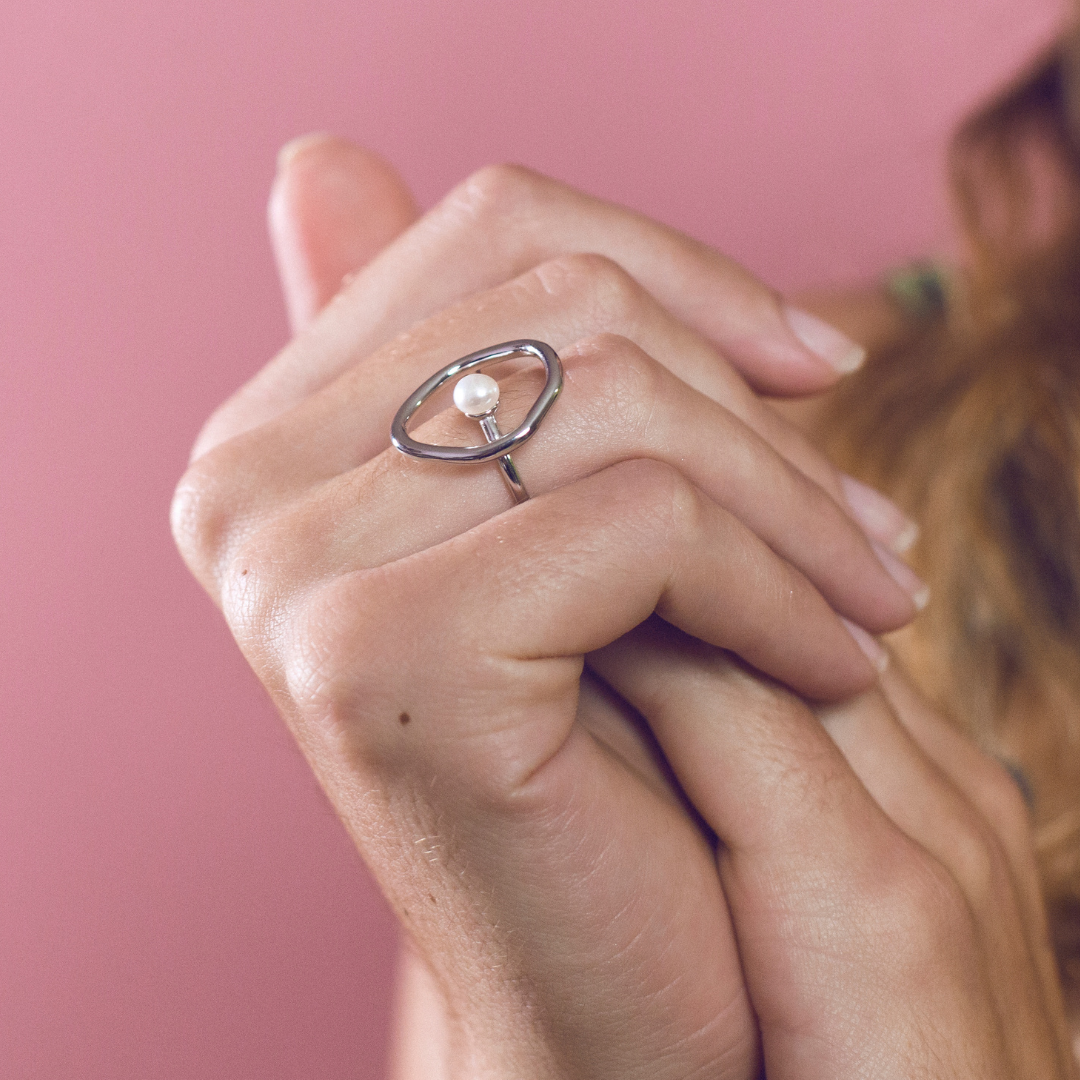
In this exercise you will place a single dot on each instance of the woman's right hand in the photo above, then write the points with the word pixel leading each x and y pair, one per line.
pixel 427 649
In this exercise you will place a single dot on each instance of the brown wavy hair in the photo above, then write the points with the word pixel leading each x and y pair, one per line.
pixel 972 422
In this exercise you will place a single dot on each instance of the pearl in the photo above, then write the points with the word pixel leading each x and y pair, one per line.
pixel 476 395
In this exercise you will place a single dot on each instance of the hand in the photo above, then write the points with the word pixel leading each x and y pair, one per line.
pixel 881 882
pixel 282 521
pixel 283 598
pixel 962 809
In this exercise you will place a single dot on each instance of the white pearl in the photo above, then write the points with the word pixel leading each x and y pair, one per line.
pixel 476 395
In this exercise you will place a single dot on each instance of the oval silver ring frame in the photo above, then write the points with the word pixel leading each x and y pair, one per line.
pixel 501 446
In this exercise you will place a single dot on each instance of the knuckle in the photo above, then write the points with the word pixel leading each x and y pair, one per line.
pixel 619 378
pixel 333 644
pixel 924 911
pixel 612 296
pixel 201 515
pixel 686 511
pixel 1006 807
pixel 310 659
pixel 252 584
pixel 218 502
pixel 496 191
pixel 662 499
pixel 355 680
pixel 980 866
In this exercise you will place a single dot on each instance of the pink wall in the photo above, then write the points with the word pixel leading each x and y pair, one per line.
pixel 176 898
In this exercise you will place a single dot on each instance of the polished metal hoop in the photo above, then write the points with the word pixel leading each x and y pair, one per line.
pixel 498 446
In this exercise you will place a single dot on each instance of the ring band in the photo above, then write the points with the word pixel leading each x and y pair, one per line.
pixel 480 396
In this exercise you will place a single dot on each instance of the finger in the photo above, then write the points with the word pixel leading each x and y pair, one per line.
pixel 617 404
pixel 988 787
pixel 851 933
pixel 569 571
pixel 421 1040
pixel 921 797
pixel 482 728
pixel 501 223
pixel 333 207
pixel 501 866
pixel 561 303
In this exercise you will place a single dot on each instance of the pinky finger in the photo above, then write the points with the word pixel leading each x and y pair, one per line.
pixel 559 576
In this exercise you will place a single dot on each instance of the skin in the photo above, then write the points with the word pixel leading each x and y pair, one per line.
pixel 617 849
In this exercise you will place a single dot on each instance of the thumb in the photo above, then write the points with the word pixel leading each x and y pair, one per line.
pixel 333 207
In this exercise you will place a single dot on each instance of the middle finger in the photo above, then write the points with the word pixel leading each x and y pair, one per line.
pixel 560 302
pixel 618 404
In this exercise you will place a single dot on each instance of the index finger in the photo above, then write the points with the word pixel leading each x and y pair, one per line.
pixel 505 220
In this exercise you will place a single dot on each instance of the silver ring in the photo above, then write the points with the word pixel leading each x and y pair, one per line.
pixel 482 406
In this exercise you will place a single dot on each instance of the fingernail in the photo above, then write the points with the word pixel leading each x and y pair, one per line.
pixel 904 576
pixel 880 517
pixel 871 649
pixel 836 349
pixel 292 149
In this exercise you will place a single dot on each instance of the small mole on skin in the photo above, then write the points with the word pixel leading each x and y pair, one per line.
pixel 242 573
pixel 432 899
pixel 404 718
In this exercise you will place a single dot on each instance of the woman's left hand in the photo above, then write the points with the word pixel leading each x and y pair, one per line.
pixel 879 869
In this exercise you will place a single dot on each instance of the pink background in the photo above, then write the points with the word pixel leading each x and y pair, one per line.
pixel 176 897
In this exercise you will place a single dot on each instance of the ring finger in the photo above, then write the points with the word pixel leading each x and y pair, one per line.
pixel 618 404
pixel 347 423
